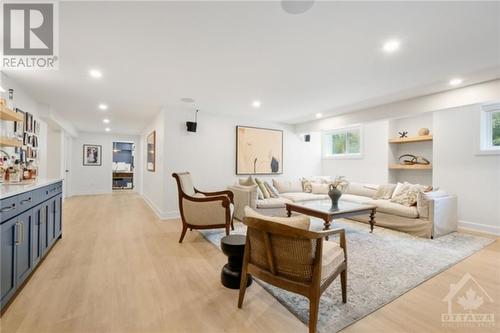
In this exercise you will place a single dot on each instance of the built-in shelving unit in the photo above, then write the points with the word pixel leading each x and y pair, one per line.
pixel 414 144
pixel 420 138
pixel 8 142
pixel 410 167
pixel 10 115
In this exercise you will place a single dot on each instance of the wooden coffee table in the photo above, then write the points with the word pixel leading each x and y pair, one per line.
pixel 322 209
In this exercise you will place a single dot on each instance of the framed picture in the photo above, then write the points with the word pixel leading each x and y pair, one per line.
pixel 92 155
pixel 259 151
pixel 151 147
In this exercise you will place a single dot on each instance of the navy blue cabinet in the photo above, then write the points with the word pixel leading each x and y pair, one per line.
pixel 31 222
pixel 8 234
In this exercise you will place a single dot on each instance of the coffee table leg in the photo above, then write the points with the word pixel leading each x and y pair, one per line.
pixel 372 220
pixel 327 226
pixel 288 212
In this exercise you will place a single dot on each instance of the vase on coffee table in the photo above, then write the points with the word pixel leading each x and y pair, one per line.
pixel 334 193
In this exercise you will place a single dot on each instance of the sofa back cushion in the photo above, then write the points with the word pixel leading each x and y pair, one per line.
pixel 385 191
pixel 286 186
pixel 320 188
pixel 365 190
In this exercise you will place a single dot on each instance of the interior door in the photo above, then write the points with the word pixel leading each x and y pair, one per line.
pixel 68 142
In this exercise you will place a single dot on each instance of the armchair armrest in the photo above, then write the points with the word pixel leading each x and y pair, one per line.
pixel 217 193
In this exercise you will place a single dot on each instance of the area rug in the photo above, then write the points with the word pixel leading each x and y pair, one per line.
pixel 381 267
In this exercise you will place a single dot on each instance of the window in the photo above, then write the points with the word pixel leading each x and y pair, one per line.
pixel 490 128
pixel 342 143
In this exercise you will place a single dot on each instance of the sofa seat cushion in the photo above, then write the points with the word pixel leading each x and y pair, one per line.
pixel 303 196
pixel 388 207
pixel 333 257
pixel 272 203
pixel 357 199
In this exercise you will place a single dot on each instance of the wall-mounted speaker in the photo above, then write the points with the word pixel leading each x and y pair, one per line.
pixel 307 138
pixel 191 126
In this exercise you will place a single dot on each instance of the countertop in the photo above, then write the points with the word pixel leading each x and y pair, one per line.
pixel 8 190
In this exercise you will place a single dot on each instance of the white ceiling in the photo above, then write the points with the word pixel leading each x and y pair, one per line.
pixel 227 54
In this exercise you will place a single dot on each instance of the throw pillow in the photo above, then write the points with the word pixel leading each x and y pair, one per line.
pixel 406 194
pixel 263 188
pixel 306 185
pixel 320 188
pixel 272 191
pixel 385 191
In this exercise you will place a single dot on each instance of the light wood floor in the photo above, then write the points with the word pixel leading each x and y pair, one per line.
pixel 119 269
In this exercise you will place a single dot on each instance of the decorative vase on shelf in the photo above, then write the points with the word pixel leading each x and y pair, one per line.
pixel 334 193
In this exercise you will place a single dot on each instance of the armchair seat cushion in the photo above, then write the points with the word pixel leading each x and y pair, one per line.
pixel 333 257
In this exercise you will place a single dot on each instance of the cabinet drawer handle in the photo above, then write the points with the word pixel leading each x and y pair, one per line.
pixel 6 209
pixel 18 241
pixel 22 233
pixel 25 200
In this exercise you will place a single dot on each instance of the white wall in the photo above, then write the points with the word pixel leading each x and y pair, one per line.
pixel 153 184
pixel 25 102
pixel 54 153
pixel 372 166
pixel 98 179
pixel 458 169
pixel 210 155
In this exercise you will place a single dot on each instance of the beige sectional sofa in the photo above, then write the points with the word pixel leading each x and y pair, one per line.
pixel 434 214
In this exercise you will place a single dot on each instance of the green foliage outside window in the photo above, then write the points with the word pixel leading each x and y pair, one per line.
pixel 346 142
pixel 495 120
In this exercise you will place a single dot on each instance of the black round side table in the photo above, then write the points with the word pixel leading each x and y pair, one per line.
pixel 233 246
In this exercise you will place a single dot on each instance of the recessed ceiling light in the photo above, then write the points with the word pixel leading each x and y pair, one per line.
pixel 256 104
pixel 319 115
pixel 455 81
pixel 187 100
pixel 107 129
pixel 106 121
pixel 102 106
pixel 95 73
pixel 391 46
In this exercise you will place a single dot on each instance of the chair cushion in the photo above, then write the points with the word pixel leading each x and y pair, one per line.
pixel 285 186
pixel 333 257
pixel 297 221
pixel 186 183
pixel 388 207
pixel 272 203
pixel 302 196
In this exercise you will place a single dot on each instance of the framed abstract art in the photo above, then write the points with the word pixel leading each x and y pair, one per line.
pixel 259 151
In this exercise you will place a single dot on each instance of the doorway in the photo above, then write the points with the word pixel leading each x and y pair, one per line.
pixel 123 165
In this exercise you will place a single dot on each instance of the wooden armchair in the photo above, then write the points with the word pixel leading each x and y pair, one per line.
pixel 294 259
pixel 203 210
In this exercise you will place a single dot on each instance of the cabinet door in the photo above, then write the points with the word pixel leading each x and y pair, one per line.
pixel 51 219
pixel 39 216
pixel 43 228
pixel 8 235
pixel 58 216
pixel 24 260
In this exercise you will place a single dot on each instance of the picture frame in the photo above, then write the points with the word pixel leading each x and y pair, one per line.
pixel 92 155
pixel 151 152
pixel 259 151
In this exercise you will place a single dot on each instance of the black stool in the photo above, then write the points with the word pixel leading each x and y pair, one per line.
pixel 233 246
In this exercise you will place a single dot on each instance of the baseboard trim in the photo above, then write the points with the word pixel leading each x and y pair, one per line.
pixel 483 228
pixel 162 215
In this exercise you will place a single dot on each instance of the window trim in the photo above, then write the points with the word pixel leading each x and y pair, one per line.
pixel 325 147
pixel 486 139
